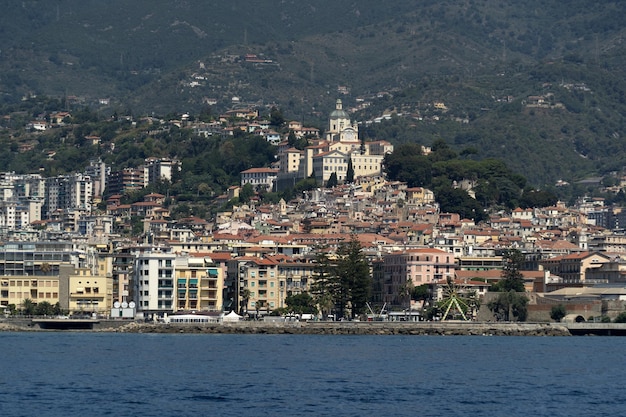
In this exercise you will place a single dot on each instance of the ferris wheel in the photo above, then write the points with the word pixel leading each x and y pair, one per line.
pixel 455 300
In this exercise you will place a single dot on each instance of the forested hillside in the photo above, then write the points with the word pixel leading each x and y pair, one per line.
pixel 486 62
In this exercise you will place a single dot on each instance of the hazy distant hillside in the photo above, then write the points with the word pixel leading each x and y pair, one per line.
pixel 95 48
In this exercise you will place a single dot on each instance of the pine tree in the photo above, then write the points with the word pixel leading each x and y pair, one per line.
pixel 354 277
pixel 332 181
pixel 512 278
pixel 325 285
pixel 350 172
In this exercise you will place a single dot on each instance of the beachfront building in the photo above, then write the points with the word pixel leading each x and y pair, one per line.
pixel 153 279
pixel 199 284
pixel 405 269
pixel 83 292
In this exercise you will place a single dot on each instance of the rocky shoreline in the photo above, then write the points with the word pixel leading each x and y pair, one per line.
pixel 434 329
pixel 325 328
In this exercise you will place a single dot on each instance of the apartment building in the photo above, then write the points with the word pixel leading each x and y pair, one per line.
pixel 83 291
pixel 153 279
pixel 17 288
pixel 253 285
pixel 410 268
pixel 67 193
pixel 259 178
pixel 575 267
pixel 199 284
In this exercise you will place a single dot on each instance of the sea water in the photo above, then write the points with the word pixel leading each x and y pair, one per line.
pixel 100 374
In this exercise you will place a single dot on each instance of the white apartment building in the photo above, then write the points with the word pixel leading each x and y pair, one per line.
pixel 154 282
pixel 68 192
pixel 98 172
pixel 259 178
pixel 158 169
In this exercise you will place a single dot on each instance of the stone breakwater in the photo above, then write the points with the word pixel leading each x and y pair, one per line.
pixel 354 328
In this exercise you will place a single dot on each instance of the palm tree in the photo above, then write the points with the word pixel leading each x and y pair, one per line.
pixel 45 268
pixel 404 292
pixel 28 307
pixel 326 304
pixel 245 296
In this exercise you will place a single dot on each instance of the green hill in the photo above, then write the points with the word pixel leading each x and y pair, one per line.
pixel 483 60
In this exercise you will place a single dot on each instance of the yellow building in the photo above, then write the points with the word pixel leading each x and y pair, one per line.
pixel 199 284
pixel 83 292
pixel 15 289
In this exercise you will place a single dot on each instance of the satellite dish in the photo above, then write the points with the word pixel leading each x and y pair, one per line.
pixel 116 304
pixel 124 304
pixel 131 304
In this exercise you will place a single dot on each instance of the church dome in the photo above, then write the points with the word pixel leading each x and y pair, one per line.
pixel 339 112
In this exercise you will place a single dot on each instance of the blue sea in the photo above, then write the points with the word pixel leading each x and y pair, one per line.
pixel 100 374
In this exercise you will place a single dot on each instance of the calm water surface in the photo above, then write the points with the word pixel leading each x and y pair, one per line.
pixel 99 374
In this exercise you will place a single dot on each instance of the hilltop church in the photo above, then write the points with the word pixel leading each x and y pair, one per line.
pixel 340 146
pixel 340 129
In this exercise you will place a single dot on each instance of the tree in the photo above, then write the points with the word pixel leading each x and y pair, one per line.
pixel 408 164
pixel 353 273
pixel 45 268
pixel 510 306
pixel 301 303
pixel 28 307
pixel 57 309
pixel 245 296
pixel 420 293
pixel 558 312
pixel 44 308
pixel 621 318
pixel 276 117
pixel 350 172
pixel 456 200
pixel 441 151
pixel 325 285
pixel 404 293
pixel 332 181
pixel 291 139
pixel 12 309
pixel 512 278
pixel 537 198
pixel 246 193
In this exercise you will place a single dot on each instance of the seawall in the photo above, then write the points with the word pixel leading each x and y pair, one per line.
pixel 355 328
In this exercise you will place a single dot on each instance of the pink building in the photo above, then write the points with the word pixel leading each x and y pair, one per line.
pixel 411 268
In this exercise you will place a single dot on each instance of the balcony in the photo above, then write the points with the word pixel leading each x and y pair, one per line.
pixel 208 295
pixel 84 296
pixel 166 284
